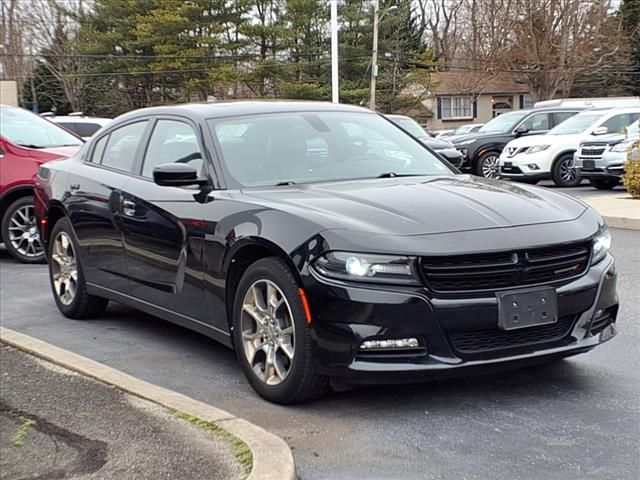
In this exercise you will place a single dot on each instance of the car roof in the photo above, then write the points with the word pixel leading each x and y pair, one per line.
pixel 611 111
pixel 235 108
pixel 80 119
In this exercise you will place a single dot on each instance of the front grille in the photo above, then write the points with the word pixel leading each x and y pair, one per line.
pixel 478 341
pixel 493 271
pixel 593 150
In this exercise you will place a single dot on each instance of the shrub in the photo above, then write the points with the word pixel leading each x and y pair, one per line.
pixel 631 178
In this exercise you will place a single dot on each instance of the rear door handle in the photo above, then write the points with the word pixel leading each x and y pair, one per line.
pixel 128 208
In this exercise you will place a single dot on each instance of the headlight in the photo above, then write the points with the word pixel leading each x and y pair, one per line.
pixel 621 147
pixel 601 245
pixel 367 268
pixel 537 148
pixel 465 142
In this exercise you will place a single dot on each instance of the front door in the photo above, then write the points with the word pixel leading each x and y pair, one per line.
pixel 163 226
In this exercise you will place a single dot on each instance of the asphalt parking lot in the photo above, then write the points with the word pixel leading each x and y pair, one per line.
pixel 577 419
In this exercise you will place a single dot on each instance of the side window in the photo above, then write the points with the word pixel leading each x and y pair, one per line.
pixel 98 150
pixel 537 122
pixel 617 123
pixel 171 142
pixel 559 117
pixel 121 148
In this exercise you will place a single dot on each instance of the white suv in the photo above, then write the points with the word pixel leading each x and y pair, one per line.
pixel 539 157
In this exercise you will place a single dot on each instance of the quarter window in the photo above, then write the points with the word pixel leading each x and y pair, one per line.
pixel 172 142
pixel 98 150
pixel 457 107
pixel 120 152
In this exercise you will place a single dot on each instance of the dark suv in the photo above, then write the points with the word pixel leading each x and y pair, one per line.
pixel 482 149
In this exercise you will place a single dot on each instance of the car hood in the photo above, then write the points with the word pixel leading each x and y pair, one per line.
pixel 531 140
pixel 436 143
pixel 474 136
pixel 420 205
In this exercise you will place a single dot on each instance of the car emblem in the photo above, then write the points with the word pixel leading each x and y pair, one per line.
pixel 511 151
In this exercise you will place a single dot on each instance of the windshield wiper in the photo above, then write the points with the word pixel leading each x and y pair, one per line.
pixel 285 183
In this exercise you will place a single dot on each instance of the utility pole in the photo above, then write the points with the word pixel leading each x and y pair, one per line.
pixel 374 55
pixel 335 88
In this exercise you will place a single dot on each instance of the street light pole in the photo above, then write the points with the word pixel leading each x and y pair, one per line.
pixel 374 58
pixel 374 55
pixel 335 89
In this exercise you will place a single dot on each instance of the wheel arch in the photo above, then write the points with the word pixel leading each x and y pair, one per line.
pixel 241 256
pixel 12 195
pixel 55 211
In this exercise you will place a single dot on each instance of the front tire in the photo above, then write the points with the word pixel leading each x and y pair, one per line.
pixel 272 337
pixel 604 183
pixel 563 173
pixel 20 232
pixel 488 165
pixel 65 274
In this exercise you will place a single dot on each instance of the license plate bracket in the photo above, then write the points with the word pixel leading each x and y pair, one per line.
pixel 527 308
pixel 588 165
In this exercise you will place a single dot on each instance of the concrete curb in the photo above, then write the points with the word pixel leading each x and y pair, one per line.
pixel 619 211
pixel 272 458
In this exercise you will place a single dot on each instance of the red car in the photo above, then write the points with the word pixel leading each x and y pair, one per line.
pixel 26 141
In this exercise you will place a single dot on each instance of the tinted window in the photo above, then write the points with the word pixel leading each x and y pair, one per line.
pixel 86 129
pixel 171 142
pixel 98 150
pixel 28 130
pixel 537 122
pixel 618 123
pixel 559 117
pixel 319 146
pixel 121 148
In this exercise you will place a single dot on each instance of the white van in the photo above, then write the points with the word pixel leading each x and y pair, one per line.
pixel 539 157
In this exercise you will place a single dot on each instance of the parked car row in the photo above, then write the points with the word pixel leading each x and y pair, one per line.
pixel 78 123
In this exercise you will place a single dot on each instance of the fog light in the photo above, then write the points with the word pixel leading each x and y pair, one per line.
pixel 395 343
pixel 533 166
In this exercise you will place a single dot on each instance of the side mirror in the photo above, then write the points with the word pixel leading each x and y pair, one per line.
pixel 521 130
pixel 600 131
pixel 177 175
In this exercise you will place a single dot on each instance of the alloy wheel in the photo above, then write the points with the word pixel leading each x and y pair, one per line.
pixel 491 166
pixel 567 173
pixel 23 232
pixel 64 269
pixel 267 330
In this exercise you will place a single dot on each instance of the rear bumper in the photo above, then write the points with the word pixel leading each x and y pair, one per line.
pixel 347 316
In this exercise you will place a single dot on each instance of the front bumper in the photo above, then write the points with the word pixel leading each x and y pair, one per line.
pixel 517 167
pixel 598 168
pixel 453 156
pixel 346 315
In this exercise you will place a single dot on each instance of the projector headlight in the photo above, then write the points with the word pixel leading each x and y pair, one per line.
pixel 360 267
pixel 601 245
pixel 621 147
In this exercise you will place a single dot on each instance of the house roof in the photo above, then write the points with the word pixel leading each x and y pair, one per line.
pixel 465 83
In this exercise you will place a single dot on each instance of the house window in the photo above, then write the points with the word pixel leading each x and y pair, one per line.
pixel 457 107
pixel 527 101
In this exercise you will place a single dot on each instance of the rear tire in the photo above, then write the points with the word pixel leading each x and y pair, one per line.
pixel 20 232
pixel 563 174
pixel 604 184
pixel 67 281
pixel 272 337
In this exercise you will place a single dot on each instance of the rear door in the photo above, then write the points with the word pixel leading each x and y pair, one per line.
pixel 163 226
pixel 94 204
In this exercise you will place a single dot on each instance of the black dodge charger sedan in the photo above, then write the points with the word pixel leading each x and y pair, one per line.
pixel 275 229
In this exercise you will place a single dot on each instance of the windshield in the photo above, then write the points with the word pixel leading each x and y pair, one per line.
pixel 23 128
pixel 411 126
pixel 576 124
pixel 504 123
pixel 307 147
